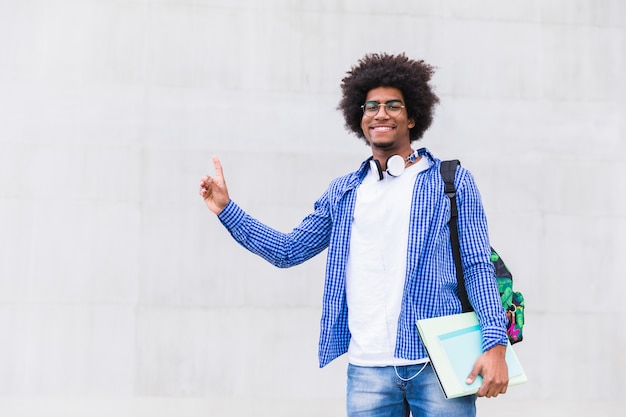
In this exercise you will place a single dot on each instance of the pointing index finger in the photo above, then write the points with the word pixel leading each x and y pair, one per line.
pixel 218 167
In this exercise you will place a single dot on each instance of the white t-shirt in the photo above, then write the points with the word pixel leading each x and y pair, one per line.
pixel 377 266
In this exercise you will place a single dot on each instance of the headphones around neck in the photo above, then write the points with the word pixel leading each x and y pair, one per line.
pixel 395 165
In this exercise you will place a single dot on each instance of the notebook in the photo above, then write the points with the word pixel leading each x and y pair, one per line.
pixel 453 344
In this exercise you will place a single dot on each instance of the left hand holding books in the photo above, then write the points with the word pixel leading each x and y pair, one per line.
pixel 491 365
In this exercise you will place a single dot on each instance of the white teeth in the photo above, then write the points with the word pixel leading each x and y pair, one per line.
pixel 385 128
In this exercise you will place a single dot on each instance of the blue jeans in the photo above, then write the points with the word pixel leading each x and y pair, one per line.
pixel 378 392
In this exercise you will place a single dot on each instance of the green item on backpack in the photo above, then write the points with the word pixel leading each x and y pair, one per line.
pixel 512 301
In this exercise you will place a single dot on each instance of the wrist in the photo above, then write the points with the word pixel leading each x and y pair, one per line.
pixel 498 350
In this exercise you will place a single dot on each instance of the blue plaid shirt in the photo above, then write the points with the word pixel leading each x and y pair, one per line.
pixel 430 284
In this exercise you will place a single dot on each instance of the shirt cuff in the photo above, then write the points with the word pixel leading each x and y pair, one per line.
pixel 493 336
pixel 231 215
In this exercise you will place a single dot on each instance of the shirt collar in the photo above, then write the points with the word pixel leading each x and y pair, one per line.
pixel 365 166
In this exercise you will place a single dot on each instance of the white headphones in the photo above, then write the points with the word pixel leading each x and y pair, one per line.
pixel 395 165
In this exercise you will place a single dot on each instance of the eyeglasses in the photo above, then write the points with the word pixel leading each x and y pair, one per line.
pixel 392 107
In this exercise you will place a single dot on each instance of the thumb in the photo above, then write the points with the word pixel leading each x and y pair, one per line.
pixel 472 375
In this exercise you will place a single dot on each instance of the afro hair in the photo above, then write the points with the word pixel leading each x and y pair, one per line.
pixel 384 70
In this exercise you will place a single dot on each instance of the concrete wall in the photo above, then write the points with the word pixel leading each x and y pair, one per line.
pixel 120 294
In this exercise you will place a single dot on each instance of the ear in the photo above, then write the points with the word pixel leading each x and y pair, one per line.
pixel 411 123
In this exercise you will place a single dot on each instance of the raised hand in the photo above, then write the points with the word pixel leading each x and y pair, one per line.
pixel 213 189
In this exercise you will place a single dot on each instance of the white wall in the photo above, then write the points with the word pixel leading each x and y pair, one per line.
pixel 120 294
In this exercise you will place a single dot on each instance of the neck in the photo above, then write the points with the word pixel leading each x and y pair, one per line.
pixel 383 154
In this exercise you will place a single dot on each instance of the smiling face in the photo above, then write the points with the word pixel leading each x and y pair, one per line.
pixel 387 134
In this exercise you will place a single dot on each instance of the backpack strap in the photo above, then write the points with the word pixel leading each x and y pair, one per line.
pixel 448 172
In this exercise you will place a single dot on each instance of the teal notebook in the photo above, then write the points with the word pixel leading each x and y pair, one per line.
pixel 453 344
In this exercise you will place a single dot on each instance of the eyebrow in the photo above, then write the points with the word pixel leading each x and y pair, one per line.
pixel 386 102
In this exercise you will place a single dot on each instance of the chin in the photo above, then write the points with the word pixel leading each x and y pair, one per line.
pixel 382 145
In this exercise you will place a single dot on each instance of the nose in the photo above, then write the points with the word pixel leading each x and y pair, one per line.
pixel 382 107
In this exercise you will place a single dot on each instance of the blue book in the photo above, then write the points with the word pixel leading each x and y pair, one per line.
pixel 453 344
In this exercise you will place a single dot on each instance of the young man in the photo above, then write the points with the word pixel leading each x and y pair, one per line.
pixel 389 255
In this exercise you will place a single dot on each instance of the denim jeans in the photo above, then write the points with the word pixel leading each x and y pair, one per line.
pixel 378 392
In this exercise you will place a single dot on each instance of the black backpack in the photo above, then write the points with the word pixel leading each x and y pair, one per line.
pixel 512 301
